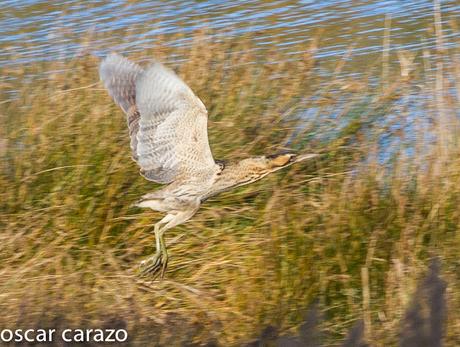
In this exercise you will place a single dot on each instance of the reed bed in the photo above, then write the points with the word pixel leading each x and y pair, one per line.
pixel 352 230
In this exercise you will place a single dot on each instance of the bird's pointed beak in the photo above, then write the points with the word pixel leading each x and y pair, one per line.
pixel 302 157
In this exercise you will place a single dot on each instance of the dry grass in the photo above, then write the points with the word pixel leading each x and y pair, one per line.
pixel 351 229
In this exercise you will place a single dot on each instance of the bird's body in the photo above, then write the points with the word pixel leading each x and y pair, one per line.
pixel 168 130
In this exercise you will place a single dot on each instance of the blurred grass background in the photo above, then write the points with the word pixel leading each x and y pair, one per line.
pixel 353 229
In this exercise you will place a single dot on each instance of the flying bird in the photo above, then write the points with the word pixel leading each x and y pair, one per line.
pixel 167 126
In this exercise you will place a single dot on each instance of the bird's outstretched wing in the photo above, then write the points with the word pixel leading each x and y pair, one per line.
pixel 119 76
pixel 171 139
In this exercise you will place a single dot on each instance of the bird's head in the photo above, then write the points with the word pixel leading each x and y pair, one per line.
pixel 280 160
pixel 258 167
pixel 235 174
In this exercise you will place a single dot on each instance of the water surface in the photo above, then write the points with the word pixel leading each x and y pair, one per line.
pixel 38 30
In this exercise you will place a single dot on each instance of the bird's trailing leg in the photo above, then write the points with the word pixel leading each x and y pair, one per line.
pixel 156 265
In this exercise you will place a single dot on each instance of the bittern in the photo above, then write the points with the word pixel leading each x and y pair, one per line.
pixel 169 141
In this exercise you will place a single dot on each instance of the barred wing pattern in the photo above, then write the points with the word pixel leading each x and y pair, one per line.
pixel 119 76
pixel 172 140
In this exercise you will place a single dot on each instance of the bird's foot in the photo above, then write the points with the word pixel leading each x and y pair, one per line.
pixel 155 265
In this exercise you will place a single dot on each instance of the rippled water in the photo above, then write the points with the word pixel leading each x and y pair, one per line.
pixel 37 30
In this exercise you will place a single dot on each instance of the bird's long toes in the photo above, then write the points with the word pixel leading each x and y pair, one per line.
pixel 164 265
pixel 152 266
pixel 151 270
pixel 148 265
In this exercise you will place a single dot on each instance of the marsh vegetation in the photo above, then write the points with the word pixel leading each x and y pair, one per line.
pixel 352 230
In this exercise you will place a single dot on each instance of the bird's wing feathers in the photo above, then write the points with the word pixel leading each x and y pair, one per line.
pixel 119 77
pixel 172 139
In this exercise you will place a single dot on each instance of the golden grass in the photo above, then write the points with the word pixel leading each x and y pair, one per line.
pixel 347 229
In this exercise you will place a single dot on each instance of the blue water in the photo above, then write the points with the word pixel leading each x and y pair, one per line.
pixel 37 30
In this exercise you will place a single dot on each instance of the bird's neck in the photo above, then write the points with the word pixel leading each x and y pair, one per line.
pixel 237 174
